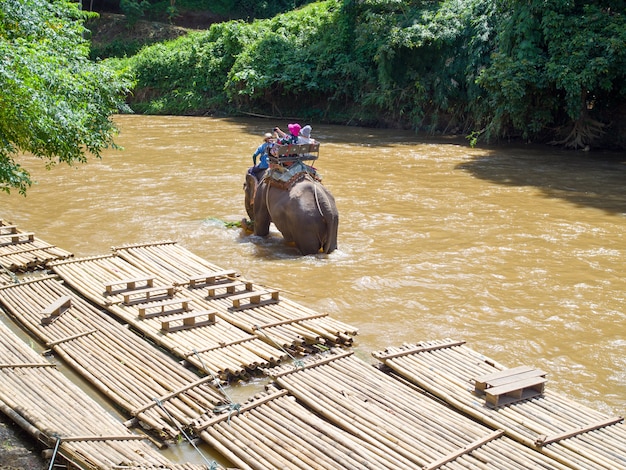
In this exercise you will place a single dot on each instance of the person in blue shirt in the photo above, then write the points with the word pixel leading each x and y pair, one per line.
pixel 262 151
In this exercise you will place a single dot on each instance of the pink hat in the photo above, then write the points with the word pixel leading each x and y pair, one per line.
pixel 294 129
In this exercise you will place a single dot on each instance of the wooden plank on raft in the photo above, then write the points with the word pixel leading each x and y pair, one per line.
pixel 128 437
pixel 188 320
pixel 55 309
pixel 27 365
pixel 160 306
pixel 289 321
pixel 231 288
pixel 254 298
pixel 515 391
pixel 416 349
pixel 210 278
pixel 201 424
pixel 464 450
pixel 506 376
pixel 544 440
pixel 129 283
pixel 17 237
pixel 143 295
pixel 8 229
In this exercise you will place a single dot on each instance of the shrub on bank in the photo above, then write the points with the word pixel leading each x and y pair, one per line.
pixel 489 69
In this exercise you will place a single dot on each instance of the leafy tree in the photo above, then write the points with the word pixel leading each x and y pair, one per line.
pixel 557 63
pixel 54 102
pixel 540 69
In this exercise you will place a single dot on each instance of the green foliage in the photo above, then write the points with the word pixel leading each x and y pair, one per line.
pixel 133 9
pixel 487 69
pixel 555 62
pixel 54 103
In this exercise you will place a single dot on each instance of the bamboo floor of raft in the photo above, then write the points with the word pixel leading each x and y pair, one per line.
pixel 37 396
pixel 397 418
pixel 285 322
pixel 221 349
pixel 26 252
pixel 564 430
pixel 126 369
pixel 261 333
pixel 336 411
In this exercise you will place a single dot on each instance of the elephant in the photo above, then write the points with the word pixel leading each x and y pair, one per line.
pixel 304 212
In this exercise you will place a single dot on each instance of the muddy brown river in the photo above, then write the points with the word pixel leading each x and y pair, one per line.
pixel 519 251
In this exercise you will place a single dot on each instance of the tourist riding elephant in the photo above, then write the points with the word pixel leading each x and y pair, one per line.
pixel 305 213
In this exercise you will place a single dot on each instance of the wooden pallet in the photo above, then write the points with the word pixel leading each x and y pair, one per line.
pixel 151 293
pixel 159 308
pixel 130 284
pixel 254 299
pixel 211 278
pixel 231 288
pixel 511 385
pixel 56 309
pixel 188 320
pixel 14 238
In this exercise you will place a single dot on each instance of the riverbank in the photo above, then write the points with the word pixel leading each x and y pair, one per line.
pixel 18 450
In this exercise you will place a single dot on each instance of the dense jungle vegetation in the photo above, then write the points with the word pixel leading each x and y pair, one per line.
pixel 550 71
pixel 539 70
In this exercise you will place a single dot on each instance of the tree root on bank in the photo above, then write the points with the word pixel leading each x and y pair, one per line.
pixel 585 131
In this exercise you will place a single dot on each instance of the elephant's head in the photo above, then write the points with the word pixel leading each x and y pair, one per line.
pixel 249 187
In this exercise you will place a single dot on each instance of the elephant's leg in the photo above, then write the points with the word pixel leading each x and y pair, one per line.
pixel 308 246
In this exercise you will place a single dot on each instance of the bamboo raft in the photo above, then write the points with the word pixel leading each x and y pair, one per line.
pixel 22 251
pixel 147 384
pixel 561 429
pixel 281 322
pixel 274 431
pixel 248 332
pixel 216 347
pixel 84 435
pixel 441 406
pixel 374 421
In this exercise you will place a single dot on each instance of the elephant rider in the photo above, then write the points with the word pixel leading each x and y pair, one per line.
pixel 262 151
pixel 305 135
pixel 291 138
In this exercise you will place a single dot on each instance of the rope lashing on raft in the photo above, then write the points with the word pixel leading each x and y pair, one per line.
pixel 296 362
pixel 231 406
pixel 11 274
pixel 211 463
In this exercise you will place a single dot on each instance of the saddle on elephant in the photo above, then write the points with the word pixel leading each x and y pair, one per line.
pixel 286 177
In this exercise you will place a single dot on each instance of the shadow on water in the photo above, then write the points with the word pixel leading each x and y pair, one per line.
pixel 596 181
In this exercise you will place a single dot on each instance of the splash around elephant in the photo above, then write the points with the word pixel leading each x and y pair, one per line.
pixel 304 212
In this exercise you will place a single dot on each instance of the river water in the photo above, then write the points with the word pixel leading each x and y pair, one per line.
pixel 517 250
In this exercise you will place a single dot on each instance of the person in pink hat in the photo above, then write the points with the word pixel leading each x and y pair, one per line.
pixel 292 137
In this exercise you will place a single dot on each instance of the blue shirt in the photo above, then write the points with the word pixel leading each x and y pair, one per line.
pixel 261 150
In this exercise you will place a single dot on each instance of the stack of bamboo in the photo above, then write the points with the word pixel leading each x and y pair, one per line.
pixel 575 435
pixel 145 382
pixel 273 431
pixel 285 323
pixel 220 349
pixel 35 395
pixel 399 421
pixel 28 254
pixel 350 415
